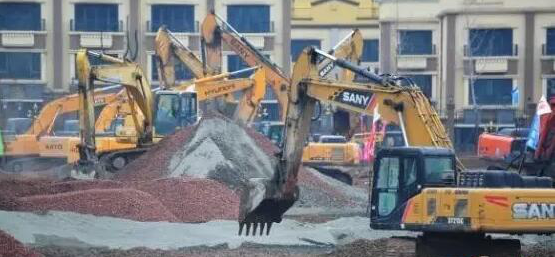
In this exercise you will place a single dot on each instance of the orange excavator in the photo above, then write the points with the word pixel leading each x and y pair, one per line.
pixel 508 147
pixel 114 125
pixel 22 136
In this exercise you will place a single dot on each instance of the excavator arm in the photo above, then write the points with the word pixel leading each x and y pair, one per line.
pixel 400 105
pixel 212 36
pixel 167 46
pixel 406 106
pixel 207 84
pixel 137 87
pixel 138 91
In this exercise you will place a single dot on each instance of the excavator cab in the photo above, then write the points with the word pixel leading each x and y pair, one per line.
pixel 17 126
pixel 174 110
pixel 401 173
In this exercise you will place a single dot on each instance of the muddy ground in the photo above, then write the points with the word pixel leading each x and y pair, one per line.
pixel 394 247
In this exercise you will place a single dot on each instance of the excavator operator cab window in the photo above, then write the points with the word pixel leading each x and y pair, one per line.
pixel 174 110
pixel 439 170
pixel 400 173
pixel 17 126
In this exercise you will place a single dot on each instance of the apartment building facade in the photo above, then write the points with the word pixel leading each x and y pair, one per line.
pixel 489 61
pixel 39 39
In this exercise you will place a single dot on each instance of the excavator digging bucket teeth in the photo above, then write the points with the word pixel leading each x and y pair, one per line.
pixel 269 211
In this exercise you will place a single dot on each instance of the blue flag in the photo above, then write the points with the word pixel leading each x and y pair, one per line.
pixel 534 135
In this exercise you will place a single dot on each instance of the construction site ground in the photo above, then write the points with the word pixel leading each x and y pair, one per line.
pixel 183 198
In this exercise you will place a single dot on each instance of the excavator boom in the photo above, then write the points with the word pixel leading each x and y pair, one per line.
pixel 212 36
pixel 400 105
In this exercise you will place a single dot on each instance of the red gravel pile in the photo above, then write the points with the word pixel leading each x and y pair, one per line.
pixel 123 203
pixel 10 247
pixel 263 142
pixel 154 163
pixel 144 192
pixel 194 200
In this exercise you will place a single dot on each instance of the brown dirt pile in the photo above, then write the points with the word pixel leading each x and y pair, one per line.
pixel 194 200
pixel 10 247
pixel 126 203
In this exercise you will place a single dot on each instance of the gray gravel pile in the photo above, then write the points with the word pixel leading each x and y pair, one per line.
pixel 223 151
pixel 320 191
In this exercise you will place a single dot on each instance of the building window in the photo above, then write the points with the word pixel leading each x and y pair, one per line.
pixel 298 45
pixel 20 65
pixel 415 42
pixel 492 92
pixel 424 82
pixel 96 17
pixel 20 16
pixel 181 71
pixel 550 42
pixel 249 18
pixel 370 50
pixel 177 17
pixel 490 42
pixel 269 111
pixel 550 88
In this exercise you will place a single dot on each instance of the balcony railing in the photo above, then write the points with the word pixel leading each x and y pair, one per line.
pixel 514 52
pixel 271 24
pixel 151 28
pixel 42 27
pixel 119 27
pixel 399 47
pixel 503 116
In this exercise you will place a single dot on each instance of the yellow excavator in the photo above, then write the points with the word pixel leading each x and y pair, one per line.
pixel 207 84
pixel 164 111
pixel 118 114
pixel 215 30
pixel 186 95
pixel 22 135
pixel 420 187
pixel 324 156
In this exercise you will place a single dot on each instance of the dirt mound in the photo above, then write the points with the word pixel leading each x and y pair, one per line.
pixel 200 173
pixel 318 190
pixel 10 247
pixel 154 163
pixel 122 203
pixel 216 149
pixel 196 200
pixel 16 186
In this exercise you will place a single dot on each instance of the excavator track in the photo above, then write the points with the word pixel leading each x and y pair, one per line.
pixel 463 245
pixel 113 162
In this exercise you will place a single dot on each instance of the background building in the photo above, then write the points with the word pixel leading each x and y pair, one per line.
pixel 39 39
pixel 488 60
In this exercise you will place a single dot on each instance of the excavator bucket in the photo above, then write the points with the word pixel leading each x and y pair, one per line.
pixel 269 211
pixel 283 191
